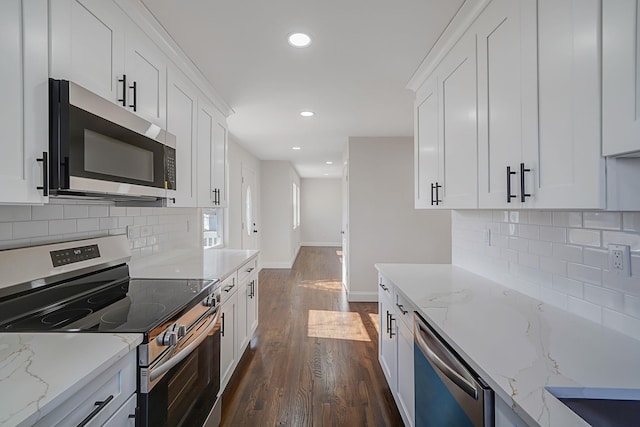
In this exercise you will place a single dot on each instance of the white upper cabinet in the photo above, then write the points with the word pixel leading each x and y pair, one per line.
pixel 427 152
pixel 212 156
pixel 96 45
pixel 505 72
pixel 182 111
pixel 146 71
pixel 24 109
pixel 567 169
pixel 87 45
pixel 620 77
pixel 446 132
pixel 219 162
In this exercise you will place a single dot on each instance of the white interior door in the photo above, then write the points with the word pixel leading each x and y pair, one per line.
pixel 249 220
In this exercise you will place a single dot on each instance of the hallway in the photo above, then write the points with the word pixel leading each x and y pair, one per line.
pixel 313 359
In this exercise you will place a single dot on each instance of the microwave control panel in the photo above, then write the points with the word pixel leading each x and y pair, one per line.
pixel 170 168
pixel 69 256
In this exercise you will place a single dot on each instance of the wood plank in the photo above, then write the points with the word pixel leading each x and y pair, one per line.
pixel 289 378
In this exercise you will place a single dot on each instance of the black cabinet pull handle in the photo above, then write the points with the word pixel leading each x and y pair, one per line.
pixel 388 327
pixel 123 80
pixel 135 95
pixel 100 407
pixel 45 173
pixel 509 195
pixel 438 201
pixel 401 307
pixel 523 194
pixel 222 328
pixel 384 288
pixel 391 320
pixel 173 199
pixel 432 188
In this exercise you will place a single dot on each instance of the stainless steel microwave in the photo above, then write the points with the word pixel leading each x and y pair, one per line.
pixel 99 149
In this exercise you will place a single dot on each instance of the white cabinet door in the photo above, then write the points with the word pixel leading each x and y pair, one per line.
pixel 181 121
pixel 228 341
pixel 252 306
pixel 457 91
pixel 427 147
pixel 242 336
pixel 405 386
pixel 620 77
pixel 24 109
pixel 146 70
pixel 87 45
pixel 567 170
pixel 206 124
pixel 501 80
pixel 388 339
pixel 219 163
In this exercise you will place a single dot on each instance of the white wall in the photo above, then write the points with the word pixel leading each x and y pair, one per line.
pixel 237 158
pixel 383 224
pixel 558 257
pixel 153 229
pixel 279 242
pixel 321 212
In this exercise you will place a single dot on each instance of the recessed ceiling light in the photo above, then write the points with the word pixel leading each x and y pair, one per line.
pixel 307 113
pixel 326 174
pixel 295 148
pixel 299 40
pixel 329 162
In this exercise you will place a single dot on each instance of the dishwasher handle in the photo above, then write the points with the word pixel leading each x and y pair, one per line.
pixel 429 344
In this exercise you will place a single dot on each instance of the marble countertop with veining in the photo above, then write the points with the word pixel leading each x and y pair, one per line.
pixel 191 264
pixel 517 344
pixel 39 371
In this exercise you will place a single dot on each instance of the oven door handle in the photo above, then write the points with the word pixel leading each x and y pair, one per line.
pixel 179 357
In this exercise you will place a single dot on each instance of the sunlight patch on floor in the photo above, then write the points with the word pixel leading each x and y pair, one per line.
pixel 322 285
pixel 337 325
pixel 374 319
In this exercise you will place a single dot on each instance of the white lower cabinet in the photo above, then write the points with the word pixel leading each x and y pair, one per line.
pixel 505 417
pixel 396 348
pixel 228 346
pixel 115 389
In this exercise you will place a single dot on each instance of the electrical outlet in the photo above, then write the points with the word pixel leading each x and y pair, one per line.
pixel 486 236
pixel 620 259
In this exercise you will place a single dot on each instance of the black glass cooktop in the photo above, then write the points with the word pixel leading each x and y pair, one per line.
pixel 106 301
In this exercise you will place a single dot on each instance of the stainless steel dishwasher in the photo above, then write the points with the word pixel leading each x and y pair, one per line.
pixel 447 392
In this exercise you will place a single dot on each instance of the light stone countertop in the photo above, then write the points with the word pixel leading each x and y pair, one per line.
pixel 191 264
pixel 518 344
pixel 39 371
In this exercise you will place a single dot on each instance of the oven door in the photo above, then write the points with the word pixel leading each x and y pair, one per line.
pixel 182 390
pixel 99 147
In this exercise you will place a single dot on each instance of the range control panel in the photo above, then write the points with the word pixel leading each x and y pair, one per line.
pixel 69 256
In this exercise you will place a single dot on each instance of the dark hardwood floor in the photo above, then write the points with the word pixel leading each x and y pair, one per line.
pixel 313 360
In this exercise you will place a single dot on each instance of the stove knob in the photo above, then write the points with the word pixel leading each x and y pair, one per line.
pixel 210 301
pixel 181 330
pixel 168 338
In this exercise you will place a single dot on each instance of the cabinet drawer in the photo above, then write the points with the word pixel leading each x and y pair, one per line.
pixel 118 381
pixel 125 416
pixel 247 269
pixel 404 310
pixel 228 287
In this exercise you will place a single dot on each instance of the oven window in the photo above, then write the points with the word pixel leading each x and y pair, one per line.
pixel 108 156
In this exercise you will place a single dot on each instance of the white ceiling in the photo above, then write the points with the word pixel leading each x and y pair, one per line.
pixel 353 75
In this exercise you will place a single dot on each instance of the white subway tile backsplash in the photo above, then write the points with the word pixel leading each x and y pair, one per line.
pixel 584 309
pixel 602 220
pixel 556 256
pixel 133 211
pixel 604 297
pixel 62 226
pixel 98 211
pixel 27 229
pixel 553 234
pixel 584 273
pixel 567 219
pixel 123 221
pixel 631 221
pixel 108 223
pixel 88 224
pixel 117 211
pixel 76 211
pixel 620 238
pixel 583 237
pixel 46 212
pixel 567 252
pixel 15 213
pixel 6 231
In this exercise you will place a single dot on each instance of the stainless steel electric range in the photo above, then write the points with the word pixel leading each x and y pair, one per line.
pixel 84 286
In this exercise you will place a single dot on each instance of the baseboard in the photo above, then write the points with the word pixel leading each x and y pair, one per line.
pixel 286 265
pixel 323 244
pixel 359 296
